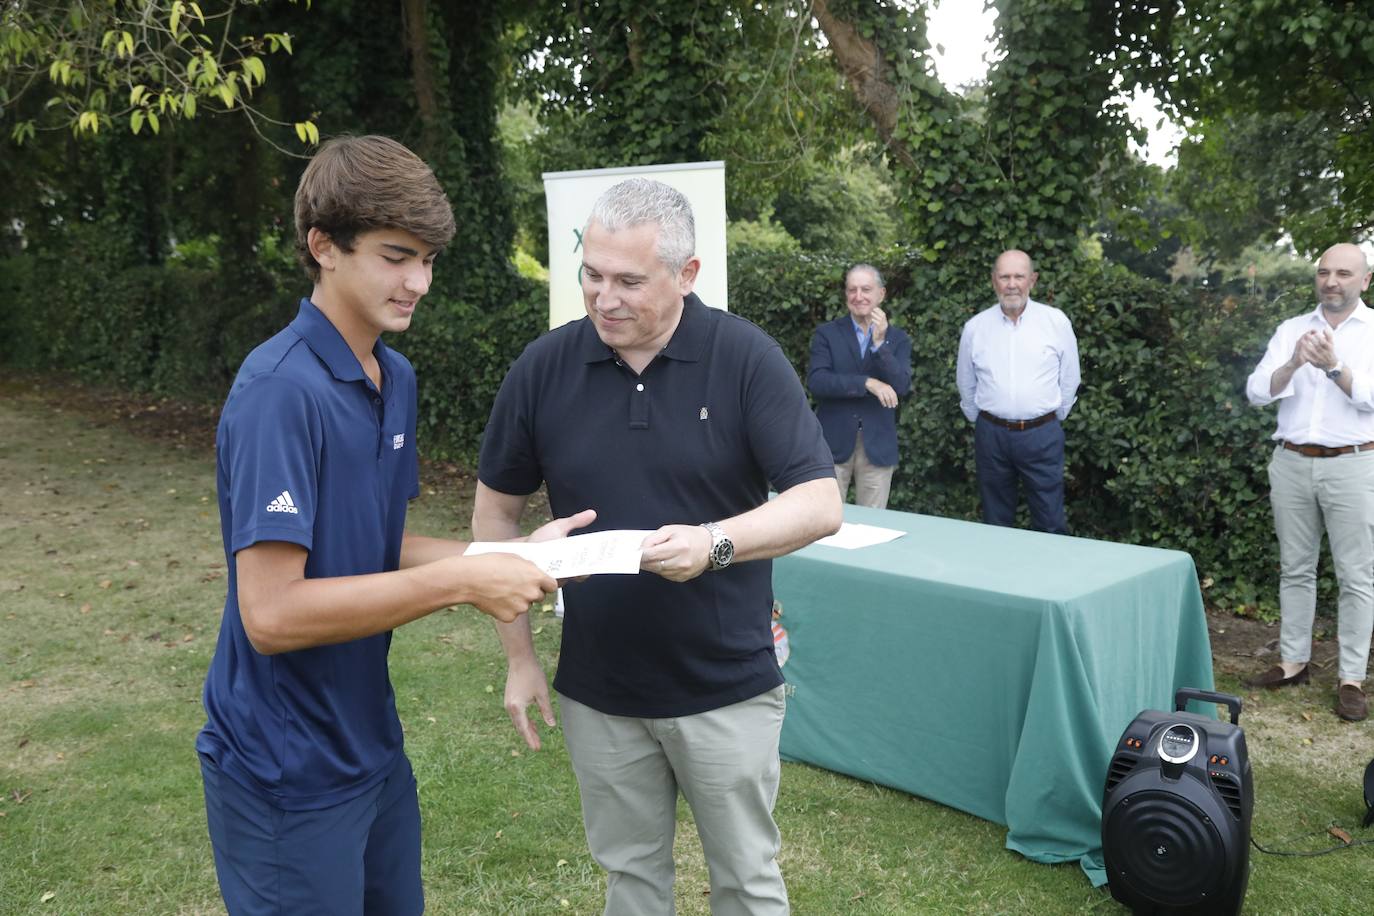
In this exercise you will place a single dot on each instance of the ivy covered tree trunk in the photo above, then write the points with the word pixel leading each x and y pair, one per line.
pixel 1015 166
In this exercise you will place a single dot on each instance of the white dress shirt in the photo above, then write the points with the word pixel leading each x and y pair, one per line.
pixel 1313 410
pixel 1018 370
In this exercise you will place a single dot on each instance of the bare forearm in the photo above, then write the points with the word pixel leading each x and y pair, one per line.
pixel 315 612
pixel 790 521
pixel 417 550
pixel 1281 377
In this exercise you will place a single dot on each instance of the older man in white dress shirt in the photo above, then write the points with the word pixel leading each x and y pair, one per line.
pixel 1018 378
pixel 1320 368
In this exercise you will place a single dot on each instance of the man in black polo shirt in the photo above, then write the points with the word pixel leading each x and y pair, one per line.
pixel 662 414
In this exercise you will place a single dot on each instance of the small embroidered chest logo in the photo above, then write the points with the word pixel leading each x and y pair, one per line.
pixel 705 414
pixel 398 441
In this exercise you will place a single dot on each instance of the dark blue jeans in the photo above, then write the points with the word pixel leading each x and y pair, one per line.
pixel 1009 460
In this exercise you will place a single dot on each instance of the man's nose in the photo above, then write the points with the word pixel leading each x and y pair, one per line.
pixel 418 280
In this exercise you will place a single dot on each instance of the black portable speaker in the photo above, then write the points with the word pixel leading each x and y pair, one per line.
pixel 1176 811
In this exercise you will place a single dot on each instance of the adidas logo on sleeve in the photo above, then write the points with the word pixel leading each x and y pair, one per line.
pixel 283 503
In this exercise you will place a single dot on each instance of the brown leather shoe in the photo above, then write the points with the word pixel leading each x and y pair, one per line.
pixel 1274 678
pixel 1351 704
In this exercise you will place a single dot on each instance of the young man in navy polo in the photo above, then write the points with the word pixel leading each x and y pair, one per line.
pixel 311 802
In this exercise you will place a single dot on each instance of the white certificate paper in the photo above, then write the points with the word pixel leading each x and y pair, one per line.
pixel 595 554
pixel 853 535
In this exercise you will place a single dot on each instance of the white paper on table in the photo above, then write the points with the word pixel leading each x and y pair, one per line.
pixel 594 554
pixel 853 535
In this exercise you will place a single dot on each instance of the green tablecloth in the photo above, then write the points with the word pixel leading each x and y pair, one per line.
pixel 989 669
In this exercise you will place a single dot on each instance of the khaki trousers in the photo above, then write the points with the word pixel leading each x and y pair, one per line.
pixel 725 763
pixel 872 482
pixel 1337 493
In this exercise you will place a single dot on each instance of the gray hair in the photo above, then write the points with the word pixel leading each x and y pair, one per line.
pixel 642 200
pixel 868 267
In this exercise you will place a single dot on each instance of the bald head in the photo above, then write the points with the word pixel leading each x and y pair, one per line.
pixel 1013 278
pixel 1342 276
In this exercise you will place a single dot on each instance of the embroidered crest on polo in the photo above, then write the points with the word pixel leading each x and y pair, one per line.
pixel 283 503
pixel 705 414
pixel 398 441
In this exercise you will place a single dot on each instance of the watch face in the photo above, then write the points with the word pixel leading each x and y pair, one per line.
pixel 722 553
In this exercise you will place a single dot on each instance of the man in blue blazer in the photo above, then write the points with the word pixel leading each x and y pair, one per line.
pixel 860 366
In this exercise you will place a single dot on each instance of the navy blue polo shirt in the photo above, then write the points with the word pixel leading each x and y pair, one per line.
pixel 308 451
pixel 713 421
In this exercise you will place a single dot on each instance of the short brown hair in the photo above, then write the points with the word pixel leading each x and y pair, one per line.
pixel 358 184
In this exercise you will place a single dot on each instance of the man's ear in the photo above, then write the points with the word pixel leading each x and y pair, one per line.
pixel 687 277
pixel 322 248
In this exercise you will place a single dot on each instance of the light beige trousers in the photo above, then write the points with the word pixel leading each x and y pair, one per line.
pixel 872 482
pixel 725 763
pixel 1335 494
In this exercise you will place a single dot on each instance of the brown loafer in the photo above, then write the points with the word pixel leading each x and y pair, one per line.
pixel 1351 704
pixel 1274 677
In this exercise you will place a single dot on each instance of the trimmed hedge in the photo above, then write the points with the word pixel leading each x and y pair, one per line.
pixel 1162 448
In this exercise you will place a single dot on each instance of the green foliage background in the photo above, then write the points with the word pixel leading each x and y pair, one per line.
pixel 156 263
pixel 1162 450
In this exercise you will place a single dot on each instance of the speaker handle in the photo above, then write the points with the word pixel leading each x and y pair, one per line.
pixel 1184 694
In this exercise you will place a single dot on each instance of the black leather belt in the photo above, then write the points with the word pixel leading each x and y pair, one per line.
pixel 1017 424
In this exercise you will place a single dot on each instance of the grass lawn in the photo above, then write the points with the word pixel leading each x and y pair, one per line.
pixel 111 586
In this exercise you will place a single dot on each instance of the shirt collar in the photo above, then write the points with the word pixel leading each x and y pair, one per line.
pixel 859 331
pixel 686 345
pixel 1031 305
pixel 325 341
pixel 1362 312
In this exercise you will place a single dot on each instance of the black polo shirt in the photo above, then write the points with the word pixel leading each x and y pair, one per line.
pixel 717 418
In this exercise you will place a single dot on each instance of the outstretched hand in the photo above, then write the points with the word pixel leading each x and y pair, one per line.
pixel 562 527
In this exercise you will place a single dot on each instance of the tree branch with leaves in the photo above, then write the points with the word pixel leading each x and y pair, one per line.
pixel 91 65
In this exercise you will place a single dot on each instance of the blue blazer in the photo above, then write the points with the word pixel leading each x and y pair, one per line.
pixel 836 379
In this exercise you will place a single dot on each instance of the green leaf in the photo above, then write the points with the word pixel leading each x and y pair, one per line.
pixel 136 118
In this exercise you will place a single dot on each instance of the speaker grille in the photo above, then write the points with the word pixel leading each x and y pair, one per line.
pixel 1119 769
pixel 1229 790
pixel 1165 848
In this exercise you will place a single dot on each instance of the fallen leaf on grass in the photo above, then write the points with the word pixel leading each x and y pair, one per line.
pixel 490 689
pixel 106 583
pixel 498 834
pixel 560 863
pixel 1307 741
pixel 61 756
pixel 19 797
pixel 86 608
pixel 210 577
pixel 537 630
pixel 1340 834
pixel 23 741
pixel 1307 716
pixel 28 683
pixel 47 896
pixel 516 754
pixel 188 637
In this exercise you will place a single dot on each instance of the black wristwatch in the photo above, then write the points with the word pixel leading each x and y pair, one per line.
pixel 1335 371
pixel 722 548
